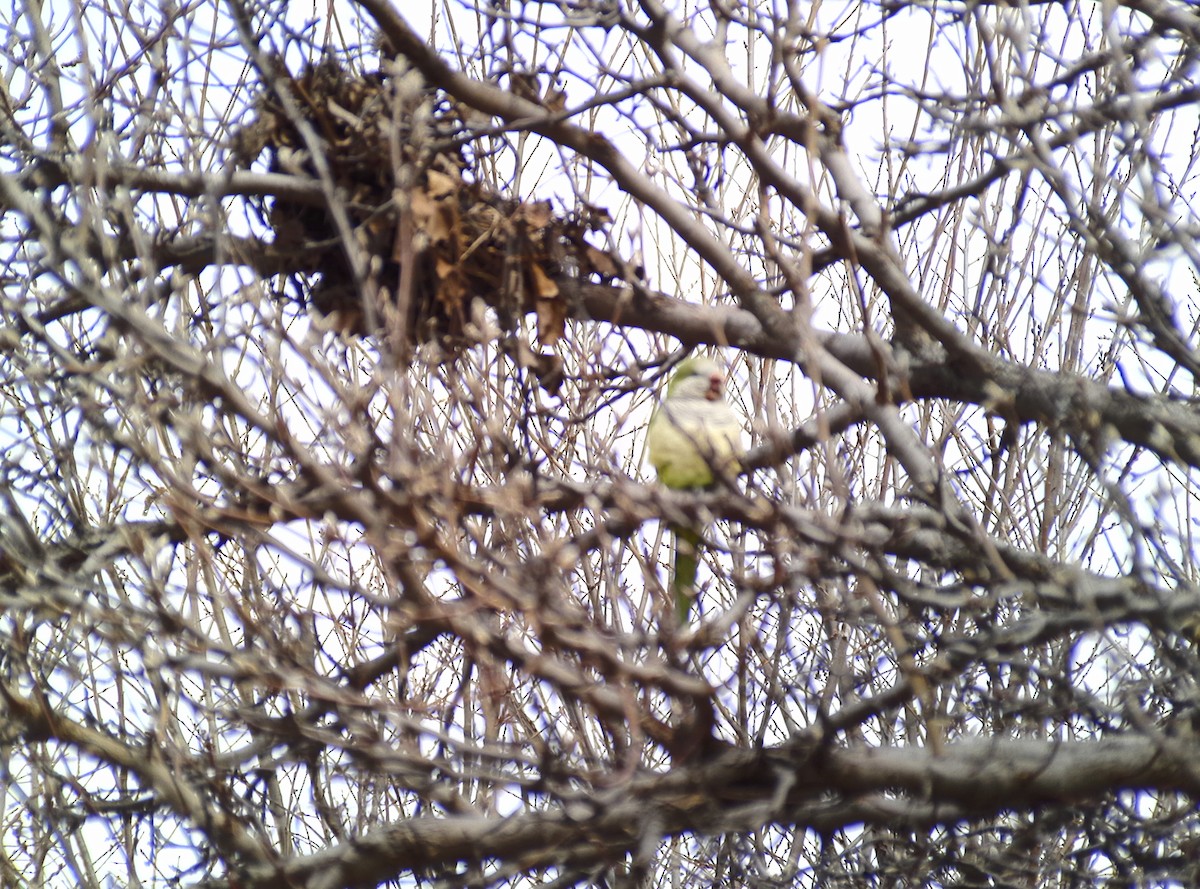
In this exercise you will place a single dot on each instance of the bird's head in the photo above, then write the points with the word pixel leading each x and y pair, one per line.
pixel 697 378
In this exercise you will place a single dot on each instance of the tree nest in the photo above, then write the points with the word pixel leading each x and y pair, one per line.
pixel 422 237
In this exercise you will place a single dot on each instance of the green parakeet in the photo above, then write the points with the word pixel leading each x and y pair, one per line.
pixel 694 436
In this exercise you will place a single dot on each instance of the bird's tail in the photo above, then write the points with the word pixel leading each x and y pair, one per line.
pixel 683 581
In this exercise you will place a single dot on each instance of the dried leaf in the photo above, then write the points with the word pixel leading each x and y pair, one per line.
pixel 440 184
pixel 551 308
pixel 543 285
pixel 551 320
pixel 555 100
pixel 421 205
pixel 524 84
pixel 595 217
pixel 547 367
pixel 453 292
pixel 433 217
pixel 537 214
pixel 551 373
pixel 601 262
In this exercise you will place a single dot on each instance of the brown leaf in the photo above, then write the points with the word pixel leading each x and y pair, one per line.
pixel 543 285
pixel 421 205
pixel 551 308
pixel 444 268
pixel 594 217
pixel 602 263
pixel 547 367
pixel 440 184
pixel 435 218
pixel 537 214
pixel 524 84
pixel 452 290
pixel 555 100
pixel 552 320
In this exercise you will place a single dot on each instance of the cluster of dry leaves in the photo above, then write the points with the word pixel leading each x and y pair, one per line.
pixel 430 235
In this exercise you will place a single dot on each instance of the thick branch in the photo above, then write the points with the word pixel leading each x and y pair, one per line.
pixel 743 790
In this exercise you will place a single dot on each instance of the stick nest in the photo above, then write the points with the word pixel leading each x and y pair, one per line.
pixel 428 236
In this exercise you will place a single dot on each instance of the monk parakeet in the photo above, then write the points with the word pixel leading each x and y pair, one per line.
pixel 694 437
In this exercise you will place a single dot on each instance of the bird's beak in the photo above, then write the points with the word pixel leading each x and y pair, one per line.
pixel 715 384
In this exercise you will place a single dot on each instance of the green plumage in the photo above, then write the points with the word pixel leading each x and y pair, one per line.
pixel 694 435
pixel 683 578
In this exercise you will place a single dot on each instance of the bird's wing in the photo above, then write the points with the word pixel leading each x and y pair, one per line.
pixel 686 439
